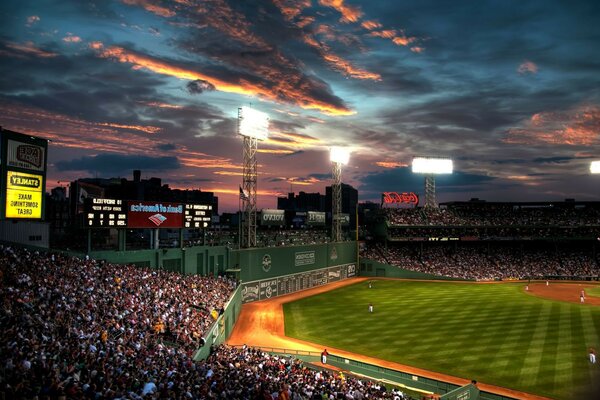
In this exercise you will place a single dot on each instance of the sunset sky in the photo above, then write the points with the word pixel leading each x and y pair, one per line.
pixel 510 90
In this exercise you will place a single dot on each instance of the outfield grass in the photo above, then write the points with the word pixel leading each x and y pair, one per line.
pixel 493 333
pixel 595 292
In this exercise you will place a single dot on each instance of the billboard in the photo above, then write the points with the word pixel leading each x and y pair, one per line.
pixel 197 215
pixel 24 155
pixel 315 218
pixel 105 213
pixel 269 217
pixel 149 214
pixel 344 219
pixel 408 198
pixel 24 194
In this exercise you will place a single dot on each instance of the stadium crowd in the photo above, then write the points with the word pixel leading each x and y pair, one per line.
pixel 495 215
pixel 491 263
pixel 83 329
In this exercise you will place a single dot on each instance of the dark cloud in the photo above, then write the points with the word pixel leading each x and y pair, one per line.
pixel 106 164
pixel 403 179
pixel 166 147
pixel 199 86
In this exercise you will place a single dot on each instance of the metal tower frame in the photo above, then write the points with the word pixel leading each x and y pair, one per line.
pixel 248 238
pixel 336 206
pixel 430 201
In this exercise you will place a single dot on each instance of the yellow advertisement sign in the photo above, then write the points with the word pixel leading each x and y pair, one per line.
pixel 24 195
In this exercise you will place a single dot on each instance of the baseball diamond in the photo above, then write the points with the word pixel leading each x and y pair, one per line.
pixel 493 333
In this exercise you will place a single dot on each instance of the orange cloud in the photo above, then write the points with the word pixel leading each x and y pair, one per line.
pixel 348 69
pixel 386 34
pixel 68 132
pixel 291 9
pixel 417 49
pixel 28 48
pixel 292 140
pixel 96 45
pixel 349 13
pixel 141 128
pixel 527 67
pixel 157 104
pixel 370 25
pixel 391 164
pixel 338 63
pixel 284 89
pixel 151 6
pixel 403 40
pixel 71 39
pixel 274 151
pixel 579 126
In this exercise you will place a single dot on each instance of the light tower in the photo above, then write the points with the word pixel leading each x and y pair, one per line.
pixel 430 167
pixel 339 156
pixel 253 125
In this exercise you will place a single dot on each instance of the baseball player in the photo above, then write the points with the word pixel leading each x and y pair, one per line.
pixel 592 355
pixel 370 307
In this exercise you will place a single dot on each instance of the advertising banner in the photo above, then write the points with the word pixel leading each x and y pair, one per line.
pixel 315 218
pixel 304 258
pixel 268 288
pixel 24 155
pixel 24 195
pixel 408 198
pixel 148 214
pixel 272 217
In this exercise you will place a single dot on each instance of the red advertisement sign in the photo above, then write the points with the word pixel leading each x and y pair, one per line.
pixel 401 198
pixel 150 214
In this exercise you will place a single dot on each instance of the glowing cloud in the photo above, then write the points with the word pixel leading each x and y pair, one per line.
pixel 370 25
pixel 28 48
pixel 71 39
pixel 527 67
pixel 151 6
pixel 31 20
pixel 349 13
pixel 286 91
pixel 391 164
pixel 579 126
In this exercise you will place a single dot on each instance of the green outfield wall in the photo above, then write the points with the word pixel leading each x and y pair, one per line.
pixel 374 268
pixel 223 326
pixel 275 271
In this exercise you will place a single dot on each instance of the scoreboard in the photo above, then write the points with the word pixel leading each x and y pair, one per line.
pixel 113 213
pixel 197 216
pixel 106 213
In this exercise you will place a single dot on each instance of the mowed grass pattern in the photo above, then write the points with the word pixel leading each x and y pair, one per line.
pixel 494 333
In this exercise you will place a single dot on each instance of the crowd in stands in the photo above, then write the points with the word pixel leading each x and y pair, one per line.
pixel 483 263
pixel 494 232
pixel 495 215
pixel 265 238
pixel 83 329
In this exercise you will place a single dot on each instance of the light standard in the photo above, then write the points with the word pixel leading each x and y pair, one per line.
pixel 253 125
pixel 339 156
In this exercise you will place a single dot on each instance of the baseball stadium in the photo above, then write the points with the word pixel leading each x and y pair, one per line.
pixel 459 300
pixel 299 200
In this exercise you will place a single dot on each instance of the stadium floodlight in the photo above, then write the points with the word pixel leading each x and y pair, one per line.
pixel 253 123
pixel 595 167
pixel 339 155
pixel 432 166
